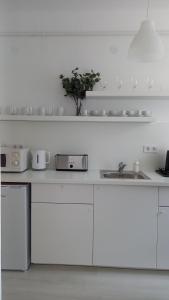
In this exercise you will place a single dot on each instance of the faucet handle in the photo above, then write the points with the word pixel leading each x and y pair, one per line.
pixel 121 164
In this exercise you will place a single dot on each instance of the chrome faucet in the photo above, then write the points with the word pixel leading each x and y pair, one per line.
pixel 121 167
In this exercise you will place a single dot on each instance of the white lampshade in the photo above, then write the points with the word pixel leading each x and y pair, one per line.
pixel 146 46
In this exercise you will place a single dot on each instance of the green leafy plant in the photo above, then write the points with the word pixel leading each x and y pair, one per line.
pixel 77 85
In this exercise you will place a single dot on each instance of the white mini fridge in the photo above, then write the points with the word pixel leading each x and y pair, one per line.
pixel 15 226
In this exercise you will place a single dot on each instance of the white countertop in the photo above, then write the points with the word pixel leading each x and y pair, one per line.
pixel 90 177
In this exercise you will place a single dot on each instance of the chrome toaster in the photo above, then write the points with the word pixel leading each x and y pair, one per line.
pixel 71 162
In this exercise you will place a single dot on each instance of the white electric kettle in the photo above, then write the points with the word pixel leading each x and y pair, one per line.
pixel 40 159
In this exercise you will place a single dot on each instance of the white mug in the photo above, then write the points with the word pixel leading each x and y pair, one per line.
pixel 94 112
pixel 84 112
pixel 131 113
pixel 139 113
pixel 123 113
pixel 116 113
pixel 28 110
pixel 147 113
pixel 103 113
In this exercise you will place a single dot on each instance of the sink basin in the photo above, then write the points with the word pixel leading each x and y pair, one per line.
pixel 124 175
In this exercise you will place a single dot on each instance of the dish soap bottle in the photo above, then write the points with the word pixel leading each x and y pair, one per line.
pixel 136 166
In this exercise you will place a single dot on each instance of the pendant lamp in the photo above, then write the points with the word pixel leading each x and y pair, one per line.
pixel 146 45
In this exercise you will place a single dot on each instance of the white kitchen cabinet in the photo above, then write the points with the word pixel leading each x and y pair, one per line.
pixel 163 229
pixel 125 226
pixel 62 232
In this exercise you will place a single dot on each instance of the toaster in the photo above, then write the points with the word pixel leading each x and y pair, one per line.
pixel 71 162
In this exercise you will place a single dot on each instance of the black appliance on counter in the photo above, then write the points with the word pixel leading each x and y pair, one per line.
pixel 165 172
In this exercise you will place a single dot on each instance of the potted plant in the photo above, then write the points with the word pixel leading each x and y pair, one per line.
pixel 77 85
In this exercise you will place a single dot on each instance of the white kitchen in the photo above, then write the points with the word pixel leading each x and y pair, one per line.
pixel 84 123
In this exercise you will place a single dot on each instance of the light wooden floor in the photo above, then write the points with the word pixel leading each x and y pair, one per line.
pixel 78 283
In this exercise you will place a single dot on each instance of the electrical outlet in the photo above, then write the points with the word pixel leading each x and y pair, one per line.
pixel 150 149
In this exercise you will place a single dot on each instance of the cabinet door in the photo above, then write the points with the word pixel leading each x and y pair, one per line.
pixel 125 226
pixel 164 196
pixel 163 238
pixel 62 233
pixel 62 193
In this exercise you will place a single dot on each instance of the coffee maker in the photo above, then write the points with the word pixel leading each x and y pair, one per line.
pixel 165 171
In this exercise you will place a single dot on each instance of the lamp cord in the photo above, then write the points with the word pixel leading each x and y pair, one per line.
pixel 148 8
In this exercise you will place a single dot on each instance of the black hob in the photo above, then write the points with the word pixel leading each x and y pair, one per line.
pixel 163 172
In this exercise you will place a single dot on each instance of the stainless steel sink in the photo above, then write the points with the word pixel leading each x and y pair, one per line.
pixel 124 175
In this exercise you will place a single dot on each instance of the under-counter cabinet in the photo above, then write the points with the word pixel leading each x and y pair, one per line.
pixel 125 226
pixel 163 229
pixel 62 224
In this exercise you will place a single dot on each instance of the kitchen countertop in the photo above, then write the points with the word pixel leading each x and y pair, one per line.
pixel 90 177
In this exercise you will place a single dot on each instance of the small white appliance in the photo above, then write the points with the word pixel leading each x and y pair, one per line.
pixel 40 159
pixel 14 158
pixel 15 223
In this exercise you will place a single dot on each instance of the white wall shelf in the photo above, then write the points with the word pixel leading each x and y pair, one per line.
pixel 77 33
pixel 134 94
pixel 77 119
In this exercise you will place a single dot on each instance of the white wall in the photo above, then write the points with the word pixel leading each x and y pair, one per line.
pixel 30 66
